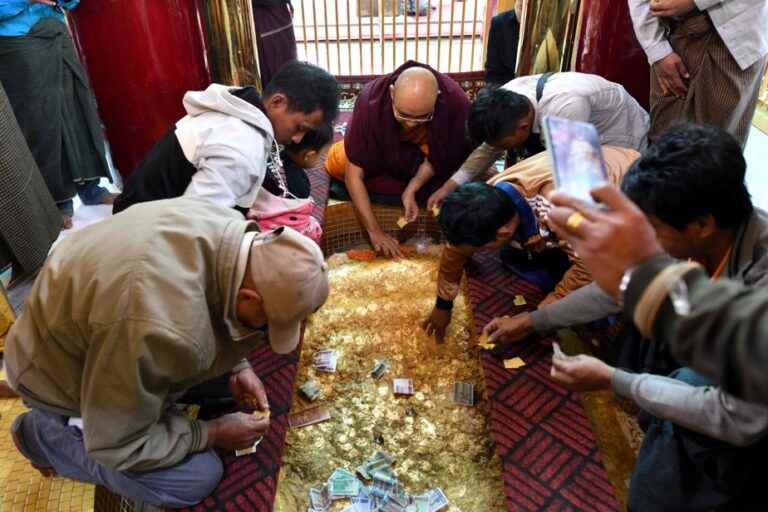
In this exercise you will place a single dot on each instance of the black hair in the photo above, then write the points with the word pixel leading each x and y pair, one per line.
pixel 496 113
pixel 691 171
pixel 249 94
pixel 314 139
pixel 307 88
pixel 474 212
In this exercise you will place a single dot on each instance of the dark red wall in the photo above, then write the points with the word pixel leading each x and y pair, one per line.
pixel 141 57
pixel 607 46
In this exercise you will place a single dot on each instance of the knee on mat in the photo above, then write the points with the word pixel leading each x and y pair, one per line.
pixel 202 478
pixel 208 479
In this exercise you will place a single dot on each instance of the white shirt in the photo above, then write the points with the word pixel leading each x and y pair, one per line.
pixel 228 141
pixel 618 117
pixel 742 24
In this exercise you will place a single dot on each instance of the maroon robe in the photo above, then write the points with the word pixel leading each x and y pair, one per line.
pixel 372 140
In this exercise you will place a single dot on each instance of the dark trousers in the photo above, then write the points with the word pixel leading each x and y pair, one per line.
pixel 681 470
pixel 62 447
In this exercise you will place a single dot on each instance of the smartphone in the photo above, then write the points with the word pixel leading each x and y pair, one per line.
pixel 577 158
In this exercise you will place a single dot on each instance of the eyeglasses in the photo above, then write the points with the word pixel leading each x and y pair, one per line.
pixel 418 120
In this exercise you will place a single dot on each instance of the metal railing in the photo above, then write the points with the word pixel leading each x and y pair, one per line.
pixel 352 38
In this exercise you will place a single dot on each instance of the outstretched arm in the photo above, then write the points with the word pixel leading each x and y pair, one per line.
pixel 382 243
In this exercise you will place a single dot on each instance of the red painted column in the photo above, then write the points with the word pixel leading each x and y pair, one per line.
pixel 607 46
pixel 141 57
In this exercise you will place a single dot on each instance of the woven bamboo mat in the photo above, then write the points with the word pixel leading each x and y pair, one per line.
pixel 23 488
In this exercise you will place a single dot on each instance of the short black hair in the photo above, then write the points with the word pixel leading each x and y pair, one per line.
pixel 691 171
pixel 249 94
pixel 496 113
pixel 307 87
pixel 474 212
pixel 314 139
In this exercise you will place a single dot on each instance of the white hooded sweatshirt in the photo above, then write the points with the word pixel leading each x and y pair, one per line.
pixel 228 140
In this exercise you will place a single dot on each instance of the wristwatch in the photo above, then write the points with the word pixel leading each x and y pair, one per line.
pixel 624 284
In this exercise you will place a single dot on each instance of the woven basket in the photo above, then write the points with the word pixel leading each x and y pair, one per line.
pixel 106 501
pixel 342 230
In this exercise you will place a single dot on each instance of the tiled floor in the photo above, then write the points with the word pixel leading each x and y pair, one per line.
pixel 22 488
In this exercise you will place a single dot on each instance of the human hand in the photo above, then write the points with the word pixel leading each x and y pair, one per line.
pixel 385 245
pixel 411 206
pixel 436 323
pixel 671 75
pixel 580 373
pixel 236 431
pixel 508 329
pixel 248 389
pixel 609 242
pixel 669 8
pixel 436 199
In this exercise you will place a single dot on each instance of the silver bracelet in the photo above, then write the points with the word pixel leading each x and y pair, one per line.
pixel 624 284
pixel 678 295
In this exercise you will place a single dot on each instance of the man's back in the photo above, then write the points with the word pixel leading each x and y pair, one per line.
pixel 129 310
pixel 618 117
pixel 217 151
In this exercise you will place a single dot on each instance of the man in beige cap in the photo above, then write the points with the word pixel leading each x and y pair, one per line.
pixel 129 314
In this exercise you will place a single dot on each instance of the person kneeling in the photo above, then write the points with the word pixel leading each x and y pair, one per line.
pixel 691 186
pixel 509 211
pixel 227 146
pixel 702 447
pixel 116 328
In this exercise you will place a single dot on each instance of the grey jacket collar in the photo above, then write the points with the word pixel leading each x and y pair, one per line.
pixel 749 260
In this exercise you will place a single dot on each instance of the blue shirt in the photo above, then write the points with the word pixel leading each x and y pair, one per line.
pixel 17 17
pixel 529 226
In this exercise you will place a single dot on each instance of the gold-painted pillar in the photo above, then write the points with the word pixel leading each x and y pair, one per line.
pixel 232 42
pixel 761 116
pixel 547 36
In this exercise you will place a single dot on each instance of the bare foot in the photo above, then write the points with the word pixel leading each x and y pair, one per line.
pixel 66 222
pixel 109 199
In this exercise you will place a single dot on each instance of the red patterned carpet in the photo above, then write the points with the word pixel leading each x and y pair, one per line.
pixel 543 437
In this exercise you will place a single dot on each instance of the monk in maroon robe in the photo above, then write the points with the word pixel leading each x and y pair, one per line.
pixel 406 138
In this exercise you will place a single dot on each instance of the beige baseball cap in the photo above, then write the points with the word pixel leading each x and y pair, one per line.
pixel 291 276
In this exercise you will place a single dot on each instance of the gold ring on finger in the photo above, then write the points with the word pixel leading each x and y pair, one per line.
pixel 574 220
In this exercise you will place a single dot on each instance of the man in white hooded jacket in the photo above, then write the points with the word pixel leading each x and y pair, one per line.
pixel 226 147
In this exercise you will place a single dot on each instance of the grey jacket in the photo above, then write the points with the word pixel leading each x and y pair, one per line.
pixel 748 263
pixel 125 316
pixel 725 335
pixel 708 410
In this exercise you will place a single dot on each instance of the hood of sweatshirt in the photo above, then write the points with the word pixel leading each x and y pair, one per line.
pixel 218 98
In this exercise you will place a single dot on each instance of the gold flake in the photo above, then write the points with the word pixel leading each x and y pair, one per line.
pixel 373 313
pixel 514 363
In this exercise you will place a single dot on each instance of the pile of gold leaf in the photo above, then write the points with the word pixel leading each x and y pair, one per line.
pixel 374 313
